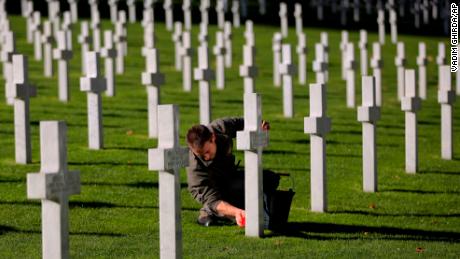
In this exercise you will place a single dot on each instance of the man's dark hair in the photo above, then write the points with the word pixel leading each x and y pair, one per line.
pixel 198 135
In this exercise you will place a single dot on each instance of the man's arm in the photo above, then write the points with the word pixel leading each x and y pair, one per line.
pixel 230 211
pixel 228 126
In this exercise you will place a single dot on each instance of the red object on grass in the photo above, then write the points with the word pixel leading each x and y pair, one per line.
pixel 243 222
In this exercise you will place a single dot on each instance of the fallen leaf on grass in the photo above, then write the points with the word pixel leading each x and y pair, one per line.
pixel 419 250
pixel 129 132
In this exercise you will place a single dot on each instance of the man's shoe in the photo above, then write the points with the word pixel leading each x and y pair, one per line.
pixel 205 218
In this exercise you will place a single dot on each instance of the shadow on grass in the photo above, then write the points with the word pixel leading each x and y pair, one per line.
pixel 142 185
pixel 437 172
pixel 126 148
pixel 311 230
pixel 374 213
pixel 111 163
pixel 8 229
pixel 421 191
pixel 283 152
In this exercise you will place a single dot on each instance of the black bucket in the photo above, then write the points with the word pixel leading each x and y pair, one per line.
pixel 280 205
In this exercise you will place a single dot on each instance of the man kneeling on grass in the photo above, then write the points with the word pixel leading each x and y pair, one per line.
pixel 214 179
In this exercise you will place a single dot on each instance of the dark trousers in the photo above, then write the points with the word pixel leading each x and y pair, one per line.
pixel 233 190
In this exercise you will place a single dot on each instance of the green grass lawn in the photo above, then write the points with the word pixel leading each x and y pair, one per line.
pixel 116 214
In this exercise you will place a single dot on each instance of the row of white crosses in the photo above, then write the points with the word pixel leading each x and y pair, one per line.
pixel 204 6
pixel 63 54
pixel 236 13
pixel 400 62
pixel 377 66
pixel 249 70
pixel 94 84
pixel 219 51
pixel 152 79
pixel 6 55
pixel 120 39
pixel 287 70
pixel 350 67
pixel 203 74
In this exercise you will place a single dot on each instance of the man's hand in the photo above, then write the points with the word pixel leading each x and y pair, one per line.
pixel 230 211
pixel 265 125
pixel 240 218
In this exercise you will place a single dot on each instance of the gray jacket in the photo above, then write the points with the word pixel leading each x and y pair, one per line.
pixel 207 179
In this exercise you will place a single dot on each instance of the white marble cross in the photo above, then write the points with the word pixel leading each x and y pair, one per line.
pixel 276 47
pixel 400 62
pixel 377 65
pixel 283 19
pixel 363 46
pixel 302 53
pixel 204 6
pixel 203 74
pixel 113 4
pixel 252 140
pixel 30 21
pixel 441 57
pixel 186 7
pixel 132 10
pixel 369 114
pixel 67 27
pixel 96 27
pixel 381 25
pixel 356 7
pixel 93 83
pixel 393 26
pixel 73 10
pixel 20 90
pixel 203 35
pixel 186 53
pixel 47 40
pixel 318 125
pixel 343 12
pixel 298 18
pixel 85 40
pixel 287 70
pixel 319 9
pixel 219 51
pixel 53 185
pixel 63 54
pixel 167 6
pixel 319 65
pixel 149 37
pixel 249 70
pixel 147 16
pixel 109 53
pixel 422 61
pixel 343 48
pixel 94 8
pixel 36 27
pixel 220 14
pixel 177 39
pixel 236 13
pixel 446 97
pixel 249 33
pixel 325 42
pixel 410 104
pixel 350 64
pixel 152 79
pixel 7 51
pixel 120 39
pixel 168 159
pixel 228 44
